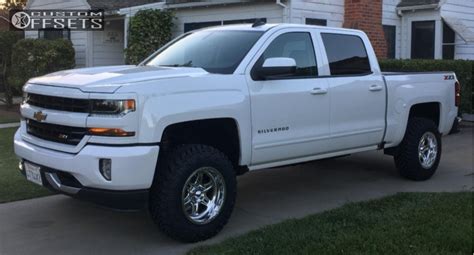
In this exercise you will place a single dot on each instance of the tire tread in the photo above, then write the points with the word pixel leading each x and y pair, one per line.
pixel 406 160
pixel 173 168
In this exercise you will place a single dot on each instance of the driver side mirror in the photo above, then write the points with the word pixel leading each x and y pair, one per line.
pixel 276 67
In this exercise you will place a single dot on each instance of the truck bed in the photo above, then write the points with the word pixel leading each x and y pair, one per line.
pixel 405 89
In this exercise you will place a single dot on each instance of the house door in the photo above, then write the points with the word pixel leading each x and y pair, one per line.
pixel 108 44
pixel 423 39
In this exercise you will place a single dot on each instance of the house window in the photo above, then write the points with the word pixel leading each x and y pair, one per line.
pixel 52 34
pixel 198 25
pixel 317 22
pixel 346 54
pixel 449 40
pixel 390 36
pixel 242 21
pixel 423 39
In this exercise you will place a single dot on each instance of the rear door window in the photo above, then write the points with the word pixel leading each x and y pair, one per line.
pixel 346 54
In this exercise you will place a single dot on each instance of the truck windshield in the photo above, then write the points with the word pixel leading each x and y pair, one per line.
pixel 214 51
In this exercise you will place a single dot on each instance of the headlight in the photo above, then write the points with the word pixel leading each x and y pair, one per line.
pixel 112 106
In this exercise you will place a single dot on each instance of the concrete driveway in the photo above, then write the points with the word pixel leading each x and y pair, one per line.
pixel 61 225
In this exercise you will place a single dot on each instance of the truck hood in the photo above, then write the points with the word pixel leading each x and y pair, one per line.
pixel 109 78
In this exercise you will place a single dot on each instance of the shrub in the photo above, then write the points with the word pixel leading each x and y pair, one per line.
pixel 36 57
pixel 148 31
pixel 462 68
pixel 7 40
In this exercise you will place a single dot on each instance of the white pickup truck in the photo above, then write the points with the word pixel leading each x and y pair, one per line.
pixel 173 132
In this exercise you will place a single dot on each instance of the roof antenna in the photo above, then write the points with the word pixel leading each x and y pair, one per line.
pixel 259 22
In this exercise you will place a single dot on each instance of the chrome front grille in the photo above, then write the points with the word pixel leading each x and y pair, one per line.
pixel 55 133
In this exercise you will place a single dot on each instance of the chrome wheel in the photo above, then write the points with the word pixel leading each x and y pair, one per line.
pixel 428 150
pixel 203 195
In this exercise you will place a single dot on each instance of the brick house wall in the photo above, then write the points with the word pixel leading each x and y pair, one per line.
pixel 366 15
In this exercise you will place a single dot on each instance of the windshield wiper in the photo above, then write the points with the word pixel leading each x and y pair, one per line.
pixel 187 64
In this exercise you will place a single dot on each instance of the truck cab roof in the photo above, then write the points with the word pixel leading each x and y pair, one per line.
pixel 266 27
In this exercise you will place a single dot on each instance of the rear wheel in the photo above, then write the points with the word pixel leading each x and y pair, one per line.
pixel 420 151
pixel 194 193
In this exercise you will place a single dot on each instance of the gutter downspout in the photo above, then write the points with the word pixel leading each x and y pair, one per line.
pixel 286 8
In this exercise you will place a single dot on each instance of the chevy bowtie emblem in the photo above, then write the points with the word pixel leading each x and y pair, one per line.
pixel 39 116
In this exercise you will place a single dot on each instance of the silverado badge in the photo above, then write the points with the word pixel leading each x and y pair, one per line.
pixel 39 116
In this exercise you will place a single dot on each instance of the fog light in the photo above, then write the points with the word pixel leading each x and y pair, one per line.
pixel 20 165
pixel 105 167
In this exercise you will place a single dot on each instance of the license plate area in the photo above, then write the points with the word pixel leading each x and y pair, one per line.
pixel 33 173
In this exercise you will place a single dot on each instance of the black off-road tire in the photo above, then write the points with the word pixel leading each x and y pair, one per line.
pixel 407 159
pixel 174 169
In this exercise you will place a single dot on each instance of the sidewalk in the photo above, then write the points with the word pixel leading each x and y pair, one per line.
pixel 9 125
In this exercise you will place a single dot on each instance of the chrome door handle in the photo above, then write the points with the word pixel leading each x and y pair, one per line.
pixel 318 91
pixel 375 88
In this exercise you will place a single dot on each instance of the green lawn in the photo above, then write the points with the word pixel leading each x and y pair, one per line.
pixel 407 223
pixel 13 186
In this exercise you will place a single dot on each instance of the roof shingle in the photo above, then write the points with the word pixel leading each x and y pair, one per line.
pixel 117 4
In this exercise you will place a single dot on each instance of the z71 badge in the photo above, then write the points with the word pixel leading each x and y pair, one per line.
pixel 449 77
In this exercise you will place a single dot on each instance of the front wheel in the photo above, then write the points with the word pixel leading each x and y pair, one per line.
pixel 194 193
pixel 420 151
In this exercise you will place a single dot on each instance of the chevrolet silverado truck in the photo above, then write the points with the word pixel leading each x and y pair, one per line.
pixel 172 133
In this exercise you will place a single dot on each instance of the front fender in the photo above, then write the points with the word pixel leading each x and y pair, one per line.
pixel 163 108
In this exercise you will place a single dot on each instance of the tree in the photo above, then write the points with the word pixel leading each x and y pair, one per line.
pixel 7 40
pixel 13 4
pixel 148 31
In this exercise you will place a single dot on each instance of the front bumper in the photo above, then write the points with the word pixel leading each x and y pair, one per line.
pixel 121 200
pixel 133 169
